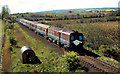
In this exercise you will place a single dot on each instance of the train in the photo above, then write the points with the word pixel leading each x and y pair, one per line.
pixel 62 37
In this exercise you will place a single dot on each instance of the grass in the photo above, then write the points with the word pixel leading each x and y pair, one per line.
pixel 42 51
pixel 110 61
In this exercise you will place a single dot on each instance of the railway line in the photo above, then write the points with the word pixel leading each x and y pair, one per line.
pixel 94 64
pixel 99 65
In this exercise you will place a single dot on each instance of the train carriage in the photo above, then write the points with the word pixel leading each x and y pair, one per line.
pixel 42 29
pixel 61 36
pixel 53 32
pixel 65 36
pixel 28 24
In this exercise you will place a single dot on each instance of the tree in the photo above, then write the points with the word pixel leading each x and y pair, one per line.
pixel 70 11
pixel 5 11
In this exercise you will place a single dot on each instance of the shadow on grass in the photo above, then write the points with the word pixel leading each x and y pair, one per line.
pixel 37 61
pixel 18 47
pixel 83 52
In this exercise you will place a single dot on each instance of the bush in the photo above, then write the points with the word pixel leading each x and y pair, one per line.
pixel 110 51
pixel 72 60
pixel 13 41
pixel 8 32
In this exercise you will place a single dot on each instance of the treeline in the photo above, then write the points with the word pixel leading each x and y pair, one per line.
pixel 84 18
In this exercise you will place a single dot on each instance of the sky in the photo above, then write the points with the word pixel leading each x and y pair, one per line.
pixel 21 6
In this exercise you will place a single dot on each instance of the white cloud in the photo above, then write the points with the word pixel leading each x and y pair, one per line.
pixel 44 5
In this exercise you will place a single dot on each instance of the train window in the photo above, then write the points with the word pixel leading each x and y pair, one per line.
pixel 57 34
pixel 80 37
pixel 51 32
pixel 64 36
pixel 39 28
pixel 68 38
pixel 72 37
pixel 43 29
pixel 48 31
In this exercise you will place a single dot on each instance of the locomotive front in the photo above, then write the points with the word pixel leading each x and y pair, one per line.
pixel 76 40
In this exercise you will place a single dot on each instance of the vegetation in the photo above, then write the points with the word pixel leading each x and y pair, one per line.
pixel 83 17
pixel 110 61
pixel 100 31
pixel 16 37
pixel 5 12
pixel 72 61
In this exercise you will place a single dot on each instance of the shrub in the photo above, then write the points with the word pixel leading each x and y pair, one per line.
pixel 71 60
pixel 13 41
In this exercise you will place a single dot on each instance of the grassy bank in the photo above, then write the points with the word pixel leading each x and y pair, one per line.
pixel 6 56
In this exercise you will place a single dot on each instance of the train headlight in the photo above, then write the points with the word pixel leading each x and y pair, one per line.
pixel 77 42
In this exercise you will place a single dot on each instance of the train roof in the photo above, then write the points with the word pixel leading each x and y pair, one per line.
pixel 61 30
pixel 55 28
pixel 42 25
pixel 66 31
pixel 28 21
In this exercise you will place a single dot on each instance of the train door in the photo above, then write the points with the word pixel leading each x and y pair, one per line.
pixel 59 36
pixel 46 31
pixel 35 27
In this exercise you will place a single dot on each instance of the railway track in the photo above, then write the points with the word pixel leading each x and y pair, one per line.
pixel 95 64
pixel 99 65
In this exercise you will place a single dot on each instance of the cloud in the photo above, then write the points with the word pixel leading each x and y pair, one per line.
pixel 44 5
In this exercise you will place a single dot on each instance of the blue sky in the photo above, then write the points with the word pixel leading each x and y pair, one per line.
pixel 44 5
